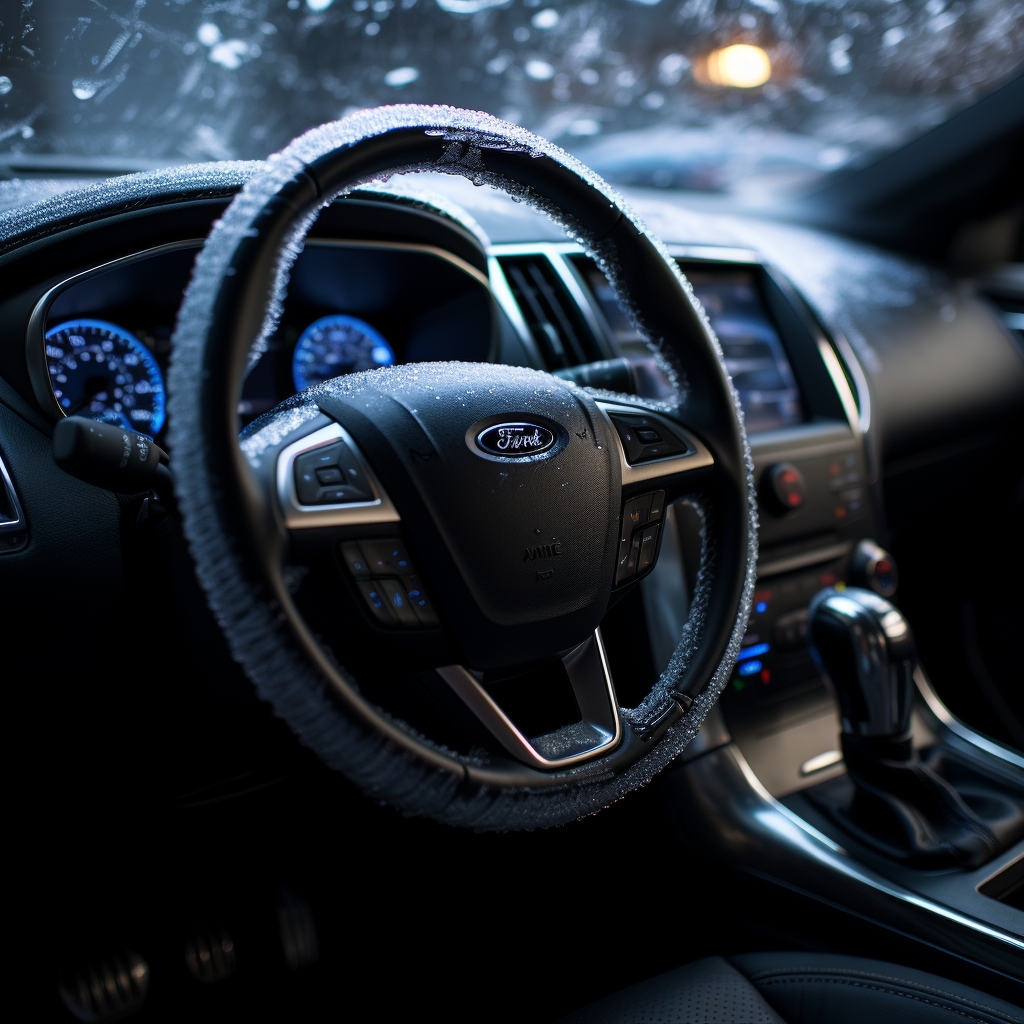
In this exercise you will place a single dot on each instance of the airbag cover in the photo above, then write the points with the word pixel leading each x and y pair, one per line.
pixel 519 549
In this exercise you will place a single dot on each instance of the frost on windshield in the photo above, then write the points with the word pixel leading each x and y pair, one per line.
pixel 637 88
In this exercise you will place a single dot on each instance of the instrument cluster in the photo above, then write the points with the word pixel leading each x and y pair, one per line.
pixel 106 339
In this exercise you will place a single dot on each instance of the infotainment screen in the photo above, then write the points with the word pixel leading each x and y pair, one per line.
pixel 753 350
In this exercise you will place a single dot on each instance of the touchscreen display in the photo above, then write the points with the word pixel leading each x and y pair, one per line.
pixel 753 350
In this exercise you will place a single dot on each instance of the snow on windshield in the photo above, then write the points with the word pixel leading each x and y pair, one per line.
pixel 630 86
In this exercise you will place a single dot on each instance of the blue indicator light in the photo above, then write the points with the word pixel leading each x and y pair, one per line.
pixel 397 601
pixel 761 607
pixel 748 668
pixel 753 652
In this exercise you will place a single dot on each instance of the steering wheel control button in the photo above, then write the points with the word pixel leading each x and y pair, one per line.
pixel 421 604
pixel 399 603
pixel 377 601
pixel 784 487
pixel 648 547
pixel 393 591
pixel 638 540
pixel 354 559
pixel 637 511
pixel 387 558
pixel 645 438
pixel 330 476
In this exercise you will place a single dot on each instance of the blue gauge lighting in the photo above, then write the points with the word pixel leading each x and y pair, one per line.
pixel 103 372
pixel 336 345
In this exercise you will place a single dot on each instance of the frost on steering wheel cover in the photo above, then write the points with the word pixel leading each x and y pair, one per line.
pixel 255 628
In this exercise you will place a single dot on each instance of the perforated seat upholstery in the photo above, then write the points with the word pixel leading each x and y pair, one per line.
pixel 797 988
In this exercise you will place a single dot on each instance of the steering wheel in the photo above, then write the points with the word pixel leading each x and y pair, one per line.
pixel 454 533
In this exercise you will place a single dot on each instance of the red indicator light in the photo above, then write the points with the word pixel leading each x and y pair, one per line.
pixel 827 579
pixel 834 468
pixel 793 499
pixel 840 513
pixel 766 676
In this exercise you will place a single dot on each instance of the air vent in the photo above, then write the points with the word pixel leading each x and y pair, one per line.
pixel 552 316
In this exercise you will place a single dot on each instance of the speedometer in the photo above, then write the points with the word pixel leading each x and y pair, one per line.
pixel 99 370
pixel 337 344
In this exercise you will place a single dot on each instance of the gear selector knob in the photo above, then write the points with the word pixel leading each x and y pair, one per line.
pixel 867 649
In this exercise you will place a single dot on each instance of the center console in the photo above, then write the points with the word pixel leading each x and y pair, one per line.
pixel 765 785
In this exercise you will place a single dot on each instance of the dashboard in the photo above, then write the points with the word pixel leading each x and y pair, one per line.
pixel 824 340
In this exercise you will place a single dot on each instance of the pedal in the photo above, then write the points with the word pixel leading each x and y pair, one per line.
pixel 210 953
pixel 298 929
pixel 108 986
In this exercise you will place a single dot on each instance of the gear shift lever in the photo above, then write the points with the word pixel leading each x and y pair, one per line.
pixel 899 805
pixel 868 651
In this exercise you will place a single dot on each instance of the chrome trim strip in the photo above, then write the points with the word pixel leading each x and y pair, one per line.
pixel 35 334
pixel 17 524
pixel 504 730
pixel 698 458
pixel 567 275
pixel 840 383
pixel 507 302
pixel 355 513
pixel 791 830
pixel 961 729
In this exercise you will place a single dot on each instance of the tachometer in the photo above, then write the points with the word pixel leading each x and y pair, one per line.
pixel 334 345
pixel 99 370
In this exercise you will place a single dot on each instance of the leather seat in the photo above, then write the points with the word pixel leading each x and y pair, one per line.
pixel 797 988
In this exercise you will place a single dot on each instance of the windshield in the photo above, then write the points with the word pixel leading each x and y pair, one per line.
pixel 748 97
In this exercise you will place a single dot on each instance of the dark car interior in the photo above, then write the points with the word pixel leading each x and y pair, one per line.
pixel 496 599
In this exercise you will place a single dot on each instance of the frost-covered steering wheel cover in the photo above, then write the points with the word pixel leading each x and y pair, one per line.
pixel 383 756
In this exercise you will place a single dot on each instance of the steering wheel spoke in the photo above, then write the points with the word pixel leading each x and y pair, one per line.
pixel 596 732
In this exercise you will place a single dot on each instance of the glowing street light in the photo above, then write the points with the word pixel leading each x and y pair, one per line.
pixel 740 65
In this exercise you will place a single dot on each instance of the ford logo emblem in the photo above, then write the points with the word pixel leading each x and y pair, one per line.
pixel 515 440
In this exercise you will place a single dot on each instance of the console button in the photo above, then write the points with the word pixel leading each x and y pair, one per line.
pixel 657 505
pixel 648 436
pixel 648 546
pixel 377 602
pixel 354 559
pixel 398 599
pixel 784 487
pixel 387 557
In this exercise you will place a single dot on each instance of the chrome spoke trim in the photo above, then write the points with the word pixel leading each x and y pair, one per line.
pixel 598 732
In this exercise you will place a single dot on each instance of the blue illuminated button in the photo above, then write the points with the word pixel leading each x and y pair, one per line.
pixel 377 601
pixel 761 607
pixel 753 652
pixel 749 668
pixel 354 559
pixel 387 557
pixel 421 604
pixel 399 601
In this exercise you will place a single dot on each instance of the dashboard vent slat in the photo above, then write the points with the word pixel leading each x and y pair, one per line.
pixel 552 316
